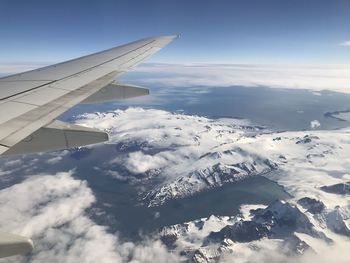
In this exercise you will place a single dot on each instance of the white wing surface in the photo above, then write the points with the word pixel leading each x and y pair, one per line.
pixel 30 101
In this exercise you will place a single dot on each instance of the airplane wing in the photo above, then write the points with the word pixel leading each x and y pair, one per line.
pixel 31 101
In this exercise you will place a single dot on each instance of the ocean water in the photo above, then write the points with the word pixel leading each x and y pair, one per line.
pixel 130 218
pixel 277 109
pixel 119 205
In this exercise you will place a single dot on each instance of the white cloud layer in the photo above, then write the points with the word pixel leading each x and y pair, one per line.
pixel 139 162
pixel 332 77
pixel 314 77
pixel 51 210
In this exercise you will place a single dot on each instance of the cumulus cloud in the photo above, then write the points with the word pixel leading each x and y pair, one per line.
pixel 51 209
pixel 11 165
pixel 138 162
pixel 331 77
pixel 315 124
pixel 57 156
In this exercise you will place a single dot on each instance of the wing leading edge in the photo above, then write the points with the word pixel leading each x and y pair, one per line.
pixel 35 98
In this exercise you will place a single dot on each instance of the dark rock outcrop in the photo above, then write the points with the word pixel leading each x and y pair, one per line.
pixel 342 188
pixel 311 205
pixel 243 231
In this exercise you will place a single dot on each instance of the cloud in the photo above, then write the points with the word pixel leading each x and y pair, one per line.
pixel 12 164
pixel 315 124
pixel 138 162
pixel 16 162
pixel 324 77
pixel 51 209
pixel 58 156
pixel 54 160
pixel 346 43
pixel 331 77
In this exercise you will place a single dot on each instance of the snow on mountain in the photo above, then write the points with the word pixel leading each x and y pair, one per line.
pixel 204 153
pixel 280 222
pixel 283 225
pixel 193 153
pixel 210 177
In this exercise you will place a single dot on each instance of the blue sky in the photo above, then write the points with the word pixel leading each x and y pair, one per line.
pixel 229 31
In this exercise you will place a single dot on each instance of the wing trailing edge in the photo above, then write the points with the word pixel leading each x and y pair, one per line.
pixel 58 135
pixel 116 91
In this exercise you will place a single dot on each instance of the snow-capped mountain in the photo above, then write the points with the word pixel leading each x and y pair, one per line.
pixel 283 223
pixel 175 147
pixel 208 178
pixel 191 154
